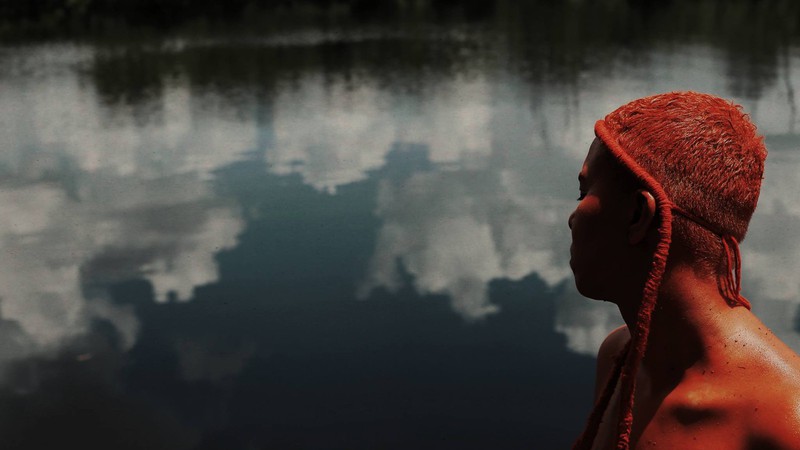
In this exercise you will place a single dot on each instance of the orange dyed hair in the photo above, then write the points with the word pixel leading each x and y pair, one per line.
pixel 708 157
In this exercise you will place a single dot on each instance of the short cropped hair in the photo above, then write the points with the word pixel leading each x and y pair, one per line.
pixel 708 157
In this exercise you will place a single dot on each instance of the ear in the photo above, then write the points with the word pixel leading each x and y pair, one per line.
pixel 644 213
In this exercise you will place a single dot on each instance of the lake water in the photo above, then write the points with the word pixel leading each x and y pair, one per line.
pixel 330 239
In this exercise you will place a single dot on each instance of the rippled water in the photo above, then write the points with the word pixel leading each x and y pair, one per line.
pixel 326 240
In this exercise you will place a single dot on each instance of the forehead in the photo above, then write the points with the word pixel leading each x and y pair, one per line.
pixel 596 162
pixel 601 167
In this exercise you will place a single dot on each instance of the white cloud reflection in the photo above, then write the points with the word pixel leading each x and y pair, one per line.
pixel 456 231
pixel 484 216
pixel 352 128
pixel 88 201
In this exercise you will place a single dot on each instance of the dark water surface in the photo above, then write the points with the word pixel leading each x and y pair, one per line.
pixel 334 239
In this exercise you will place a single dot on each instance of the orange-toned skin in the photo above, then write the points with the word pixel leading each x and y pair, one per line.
pixel 713 377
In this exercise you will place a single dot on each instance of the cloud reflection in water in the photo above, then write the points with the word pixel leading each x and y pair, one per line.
pixel 104 197
pixel 89 202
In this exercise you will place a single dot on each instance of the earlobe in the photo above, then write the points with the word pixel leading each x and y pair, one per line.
pixel 643 215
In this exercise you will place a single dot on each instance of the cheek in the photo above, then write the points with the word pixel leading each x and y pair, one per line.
pixel 585 219
pixel 591 248
pixel 583 228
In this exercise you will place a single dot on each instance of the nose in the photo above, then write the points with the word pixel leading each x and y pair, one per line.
pixel 569 221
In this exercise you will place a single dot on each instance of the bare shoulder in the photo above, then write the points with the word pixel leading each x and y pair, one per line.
pixel 776 424
pixel 746 394
pixel 775 415
pixel 609 349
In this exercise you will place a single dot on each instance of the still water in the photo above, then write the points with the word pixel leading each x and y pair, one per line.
pixel 328 240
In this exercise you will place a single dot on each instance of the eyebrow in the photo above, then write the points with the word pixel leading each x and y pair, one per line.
pixel 581 178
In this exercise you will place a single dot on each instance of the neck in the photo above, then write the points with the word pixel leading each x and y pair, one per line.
pixel 691 318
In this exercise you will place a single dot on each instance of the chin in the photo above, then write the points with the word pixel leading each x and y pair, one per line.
pixel 588 289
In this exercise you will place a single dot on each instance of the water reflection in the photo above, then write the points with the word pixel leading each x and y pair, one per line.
pixel 90 202
pixel 321 234
pixel 498 154
pixel 455 227
pixel 455 231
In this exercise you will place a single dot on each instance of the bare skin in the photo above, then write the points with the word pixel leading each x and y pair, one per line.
pixel 713 377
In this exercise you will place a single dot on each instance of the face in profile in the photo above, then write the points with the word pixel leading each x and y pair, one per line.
pixel 599 225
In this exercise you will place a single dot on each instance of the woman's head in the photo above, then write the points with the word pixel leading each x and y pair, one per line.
pixel 708 157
